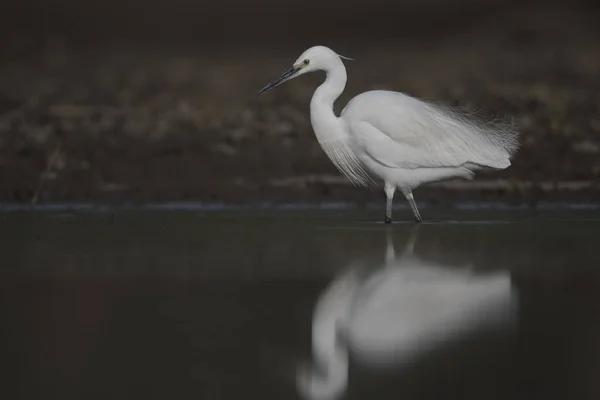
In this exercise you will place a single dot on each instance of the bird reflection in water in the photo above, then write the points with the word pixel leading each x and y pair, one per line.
pixel 396 314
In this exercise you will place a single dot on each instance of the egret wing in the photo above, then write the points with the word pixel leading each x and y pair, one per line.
pixel 400 131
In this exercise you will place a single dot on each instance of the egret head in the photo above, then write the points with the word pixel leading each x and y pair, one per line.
pixel 316 58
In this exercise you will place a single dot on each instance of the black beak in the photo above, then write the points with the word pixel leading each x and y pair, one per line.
pixel 284 77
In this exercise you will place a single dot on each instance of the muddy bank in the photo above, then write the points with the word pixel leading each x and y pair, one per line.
pixel 128 122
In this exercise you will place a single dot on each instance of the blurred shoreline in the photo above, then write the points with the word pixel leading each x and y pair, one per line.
pixel 127 113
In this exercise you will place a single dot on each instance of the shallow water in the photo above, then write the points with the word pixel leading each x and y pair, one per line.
pixel 229 304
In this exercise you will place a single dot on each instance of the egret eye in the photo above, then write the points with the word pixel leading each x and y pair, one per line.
pixel 306 62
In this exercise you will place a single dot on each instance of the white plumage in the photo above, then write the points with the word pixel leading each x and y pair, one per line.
pixel 396 139
pixel 394 315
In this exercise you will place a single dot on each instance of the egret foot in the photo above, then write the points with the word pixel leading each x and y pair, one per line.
pixel 388 220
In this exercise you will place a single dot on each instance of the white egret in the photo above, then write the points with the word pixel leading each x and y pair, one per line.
pixel 392 316
pixel 390 137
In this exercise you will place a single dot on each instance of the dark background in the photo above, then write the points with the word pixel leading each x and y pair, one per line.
pixel 145 101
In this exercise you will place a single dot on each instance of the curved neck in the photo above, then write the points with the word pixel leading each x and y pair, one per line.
pixel 334 84
pixel 323 119
pixel 329 377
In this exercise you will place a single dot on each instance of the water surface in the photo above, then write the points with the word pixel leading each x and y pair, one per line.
pixel 226 305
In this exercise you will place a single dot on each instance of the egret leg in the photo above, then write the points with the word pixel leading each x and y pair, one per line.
pixel 412 240
pixel 390 254
pixel 389 194
pixel 413 206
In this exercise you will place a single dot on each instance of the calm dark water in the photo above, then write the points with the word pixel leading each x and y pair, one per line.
pixel 229 305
